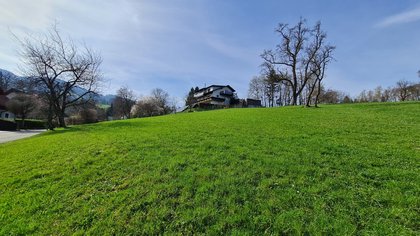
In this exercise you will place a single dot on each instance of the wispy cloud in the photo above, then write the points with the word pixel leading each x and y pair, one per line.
pixel 230 49
pixel 400 18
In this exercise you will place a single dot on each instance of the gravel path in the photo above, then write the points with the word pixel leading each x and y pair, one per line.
pixel 7 136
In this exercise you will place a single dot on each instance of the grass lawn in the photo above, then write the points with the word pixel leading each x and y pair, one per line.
pixel 340 170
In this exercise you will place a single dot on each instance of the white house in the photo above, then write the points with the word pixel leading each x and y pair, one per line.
pixel 214 95
pixel 6 115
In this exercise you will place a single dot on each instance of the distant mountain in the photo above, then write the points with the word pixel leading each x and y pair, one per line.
pixel 13 81
pixel 8 79
pixel 7 73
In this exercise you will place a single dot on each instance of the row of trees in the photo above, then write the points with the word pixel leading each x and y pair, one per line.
pixel 126 105
pixel 280 94
pixel 402 91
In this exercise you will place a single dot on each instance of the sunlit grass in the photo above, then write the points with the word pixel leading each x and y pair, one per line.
pixel 341 169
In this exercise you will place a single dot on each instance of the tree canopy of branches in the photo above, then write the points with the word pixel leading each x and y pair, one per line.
pixel 158 103
pixel 67 74
pixel 147 106
pixel 402 91
pixel 123 103
pixel 300 59
pixel 162 100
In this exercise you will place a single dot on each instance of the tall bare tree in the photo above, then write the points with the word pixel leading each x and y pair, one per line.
pixel 293 57
pixel 67 74
pixel 318 66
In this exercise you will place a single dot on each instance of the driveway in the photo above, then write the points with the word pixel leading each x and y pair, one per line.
pixel 7 136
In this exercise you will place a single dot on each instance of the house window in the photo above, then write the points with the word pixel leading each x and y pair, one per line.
pixel 6 115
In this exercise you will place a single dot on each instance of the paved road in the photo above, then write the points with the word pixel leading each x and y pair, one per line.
pixel 7 136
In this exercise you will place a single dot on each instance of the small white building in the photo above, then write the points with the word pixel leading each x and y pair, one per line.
pixel 214 95
pixel 6 115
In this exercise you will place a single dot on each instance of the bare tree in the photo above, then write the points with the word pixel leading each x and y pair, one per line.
pixel 414 92
pixel 293 57
pixel 162 100
pixel 256 89
pixel 123 103
pixel 319 64
pixel 67 75
pixel 403 89
pixel 147 106
pixel 21 105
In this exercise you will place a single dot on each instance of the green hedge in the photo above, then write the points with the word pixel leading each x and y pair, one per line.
pixel 7 125
pixel 31 124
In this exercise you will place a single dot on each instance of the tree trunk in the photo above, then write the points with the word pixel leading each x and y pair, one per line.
pixel 318 93
pixel 23 121
pixel 61 121
pixel 295 98
pixel 60 115
pixel 50 124
pixel 308 100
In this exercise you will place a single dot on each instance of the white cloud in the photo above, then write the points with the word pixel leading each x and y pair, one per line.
pixel 144 44
pixel 400 18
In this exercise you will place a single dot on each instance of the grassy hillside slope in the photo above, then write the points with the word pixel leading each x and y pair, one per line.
pixel 340 169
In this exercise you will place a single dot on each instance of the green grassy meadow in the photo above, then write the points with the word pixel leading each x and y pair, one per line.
pixel 336 170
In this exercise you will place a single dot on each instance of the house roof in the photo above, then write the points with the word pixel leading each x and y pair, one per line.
pixel 215 85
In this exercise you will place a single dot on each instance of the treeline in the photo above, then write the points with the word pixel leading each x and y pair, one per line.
pixel 402 91
pixel 280 94
pixel 128 105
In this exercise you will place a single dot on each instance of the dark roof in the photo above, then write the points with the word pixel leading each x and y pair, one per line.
pixel 215 85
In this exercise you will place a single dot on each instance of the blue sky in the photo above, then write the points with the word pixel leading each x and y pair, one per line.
pixel 178 44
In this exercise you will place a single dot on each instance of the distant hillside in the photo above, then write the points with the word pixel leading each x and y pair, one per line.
pixel 14 79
